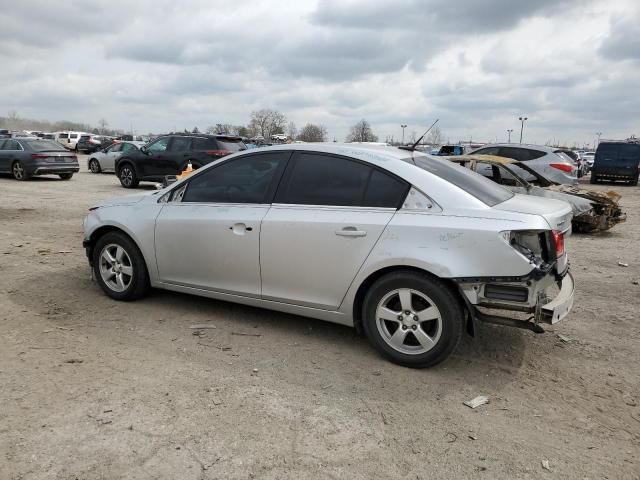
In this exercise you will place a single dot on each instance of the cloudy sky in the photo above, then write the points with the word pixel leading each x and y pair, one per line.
pixel 571 66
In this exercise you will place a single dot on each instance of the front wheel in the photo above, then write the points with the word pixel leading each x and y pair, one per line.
pixel 66 176
pixel 127 176
pixel 119 267
pixel 94 166
pixel 412 319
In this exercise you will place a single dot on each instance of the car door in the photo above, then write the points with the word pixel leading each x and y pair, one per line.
pixel 5 163
pixel 327 215
pixel 208 235
pixel 110 156
pixel 147 162
pixel 177 156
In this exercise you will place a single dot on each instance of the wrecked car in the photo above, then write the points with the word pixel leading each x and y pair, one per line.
pixel 592 211
pixel 406 247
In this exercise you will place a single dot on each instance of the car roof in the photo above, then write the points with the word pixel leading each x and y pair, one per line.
pixel 203 135
pixel 544 148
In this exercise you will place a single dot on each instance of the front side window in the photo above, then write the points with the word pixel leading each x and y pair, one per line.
pixel 159 145
pixel 319 179
pixel 242 180
pixel 115 148
pixel 180 144
pixel 127 146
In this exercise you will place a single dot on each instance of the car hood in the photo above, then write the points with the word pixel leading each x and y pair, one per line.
pixel 557 213
pixel 124 200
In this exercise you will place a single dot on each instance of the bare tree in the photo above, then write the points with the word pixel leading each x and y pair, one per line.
pixel 292 130
pixel 267 122
pixel 223 128
pixel 103 124
pixel 361 132
pixel 435 136
pixel 313 133
pixel 13 119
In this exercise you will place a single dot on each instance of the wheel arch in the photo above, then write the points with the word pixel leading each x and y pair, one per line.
pixel 366 284
pixel 101 231
pixel 120 162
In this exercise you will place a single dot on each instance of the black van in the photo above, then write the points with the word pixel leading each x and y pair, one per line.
pixel 616 161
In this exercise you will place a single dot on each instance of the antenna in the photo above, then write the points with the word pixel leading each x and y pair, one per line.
pixel 412 148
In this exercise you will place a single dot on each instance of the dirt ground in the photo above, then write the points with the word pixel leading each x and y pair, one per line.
pixel 95 389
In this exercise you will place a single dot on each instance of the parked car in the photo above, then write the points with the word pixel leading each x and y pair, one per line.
pixel 616 161
pixel 105 160
pixel 132 138
pixel 170 155
pixel 90 143
pixel 580 164
pixel 589 158
pixel 550 162
pixel 4 133
pixel 25 158
pixel 49 136
pixel 406 247
pixel 592 211
pixel 447 150
pixel 69 140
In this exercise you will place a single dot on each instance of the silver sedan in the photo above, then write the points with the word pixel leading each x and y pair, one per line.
pixel 104 160
pixel 407 248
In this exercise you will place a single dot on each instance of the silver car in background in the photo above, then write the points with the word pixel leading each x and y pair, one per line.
pixel 406 247
pixel 550 162
pixel 104 160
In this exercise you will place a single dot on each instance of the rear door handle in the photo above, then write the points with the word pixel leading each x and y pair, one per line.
pixel 351 232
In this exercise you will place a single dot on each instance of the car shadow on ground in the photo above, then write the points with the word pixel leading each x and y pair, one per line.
pixel 74 294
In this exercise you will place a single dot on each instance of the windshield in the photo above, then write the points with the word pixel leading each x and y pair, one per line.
pixel 485 190
pixel 230 145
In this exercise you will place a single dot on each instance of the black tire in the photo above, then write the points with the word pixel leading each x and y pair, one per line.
pixel 18 171
pixel 444 333
pixel 94 166
pixel 127 176
pixel 137 283
pixel 593 180
pixel 65 176
pixel 634 182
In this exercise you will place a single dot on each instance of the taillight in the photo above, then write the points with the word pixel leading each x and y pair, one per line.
pixel 73 157
pixel 558 240
pixel 563 166
pixel 39 155
pixel 218 153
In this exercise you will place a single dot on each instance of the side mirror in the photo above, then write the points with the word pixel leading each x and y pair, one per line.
pixel 143 149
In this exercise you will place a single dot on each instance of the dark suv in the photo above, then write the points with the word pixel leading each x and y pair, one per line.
pixel 90 143
pixel 616 161
pixel 170 155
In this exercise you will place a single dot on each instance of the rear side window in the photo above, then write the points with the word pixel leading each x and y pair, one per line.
pixel 11 145
pixel 180 144
pixel 242 180
pixel 317 179
pixel 522 154
pixel 488 151
pixel 476 185
pixel 204 144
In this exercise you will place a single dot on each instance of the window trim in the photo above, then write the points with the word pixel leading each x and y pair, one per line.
pixel 286 177
pixel 269 195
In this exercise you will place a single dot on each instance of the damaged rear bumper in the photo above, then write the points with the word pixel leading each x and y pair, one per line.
pixel 525 296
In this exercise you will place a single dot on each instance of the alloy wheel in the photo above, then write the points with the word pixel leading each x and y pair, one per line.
pixel 18 171
pixel 126 175
pixel 409 321
pixel 94 166
pixel 116 268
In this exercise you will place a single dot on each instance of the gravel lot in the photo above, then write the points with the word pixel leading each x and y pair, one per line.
pixel 92 389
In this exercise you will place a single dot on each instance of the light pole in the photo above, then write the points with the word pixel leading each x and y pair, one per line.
pixel 599 134
pixel 522 120
pixel 403 127
pixel 509 130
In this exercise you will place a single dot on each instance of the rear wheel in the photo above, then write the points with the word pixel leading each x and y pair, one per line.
pixel 18 171
pixel 127 176
pixel 65 176
pixel 412 319
pixel 634 182
pixel 119 267
pixel 94 166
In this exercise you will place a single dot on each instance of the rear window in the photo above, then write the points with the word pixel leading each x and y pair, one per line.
pixel 43 146
pixel 231 145
pixel 476 185
pixel 618 151
pixel 85 138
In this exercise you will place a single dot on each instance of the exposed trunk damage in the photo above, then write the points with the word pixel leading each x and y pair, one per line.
pixel 592 211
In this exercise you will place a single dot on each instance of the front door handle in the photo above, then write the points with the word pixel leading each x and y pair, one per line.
pixel 351 232
pixel 240 228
